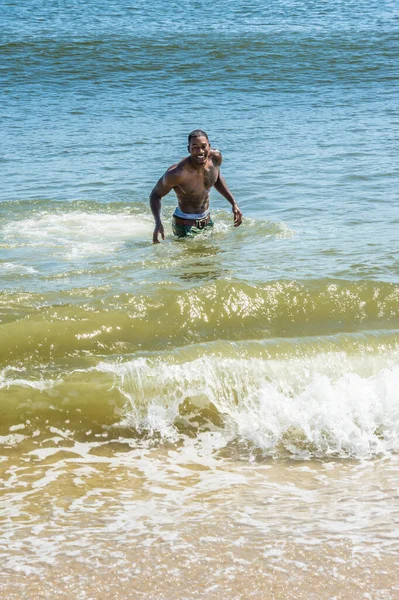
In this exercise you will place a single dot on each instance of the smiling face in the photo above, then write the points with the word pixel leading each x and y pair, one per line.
pixel 199 148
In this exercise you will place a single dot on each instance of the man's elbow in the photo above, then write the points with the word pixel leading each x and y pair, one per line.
pixel 154 197
pixel 217 184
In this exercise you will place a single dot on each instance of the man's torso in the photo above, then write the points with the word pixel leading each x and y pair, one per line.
pixel 193 190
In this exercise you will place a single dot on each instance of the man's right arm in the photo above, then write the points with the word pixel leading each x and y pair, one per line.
pixel 163 187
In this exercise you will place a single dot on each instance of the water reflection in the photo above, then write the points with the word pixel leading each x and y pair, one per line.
pixel 198 260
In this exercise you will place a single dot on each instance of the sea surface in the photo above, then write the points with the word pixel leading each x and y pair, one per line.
pixel 215 417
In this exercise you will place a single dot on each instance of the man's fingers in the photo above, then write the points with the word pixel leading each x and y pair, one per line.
pixel 157 231
pixel 237 218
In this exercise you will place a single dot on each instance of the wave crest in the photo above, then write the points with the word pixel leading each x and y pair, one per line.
pixel 328 405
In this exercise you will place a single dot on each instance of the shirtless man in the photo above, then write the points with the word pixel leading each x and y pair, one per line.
pixel 191 179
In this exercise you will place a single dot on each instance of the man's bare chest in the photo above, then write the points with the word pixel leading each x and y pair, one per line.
pixel 210 176
pixel 197 183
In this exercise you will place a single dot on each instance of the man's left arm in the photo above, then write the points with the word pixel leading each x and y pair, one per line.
pixel 222 188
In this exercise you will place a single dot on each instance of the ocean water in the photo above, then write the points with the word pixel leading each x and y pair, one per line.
pixel 215 417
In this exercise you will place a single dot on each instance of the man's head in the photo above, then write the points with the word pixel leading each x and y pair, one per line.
pixel 198 146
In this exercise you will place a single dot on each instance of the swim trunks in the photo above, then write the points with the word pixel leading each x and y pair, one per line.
pixel 185 224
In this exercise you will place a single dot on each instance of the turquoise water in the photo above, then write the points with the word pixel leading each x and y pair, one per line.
pixel 96 104
pixel 235 362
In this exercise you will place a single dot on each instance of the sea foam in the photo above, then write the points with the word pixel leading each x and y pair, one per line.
pixel 78 233
pixel 329 405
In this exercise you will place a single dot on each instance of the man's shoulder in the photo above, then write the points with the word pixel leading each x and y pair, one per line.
pixel 216 157
pixel 176 171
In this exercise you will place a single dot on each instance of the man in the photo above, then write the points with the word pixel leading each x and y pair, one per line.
pixel 191 179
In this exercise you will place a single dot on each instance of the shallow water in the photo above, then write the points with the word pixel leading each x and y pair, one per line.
pixel 213 417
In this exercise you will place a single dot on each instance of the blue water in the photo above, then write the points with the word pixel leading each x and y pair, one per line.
pixel 97 102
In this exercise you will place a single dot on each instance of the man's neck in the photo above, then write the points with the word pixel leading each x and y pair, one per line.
pixel 197 167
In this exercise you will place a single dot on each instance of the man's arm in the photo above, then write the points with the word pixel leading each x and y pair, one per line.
pixel 162 188
pixel 222 188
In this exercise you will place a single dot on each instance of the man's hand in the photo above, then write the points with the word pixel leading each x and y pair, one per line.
pixel 237 215
pixel 158 231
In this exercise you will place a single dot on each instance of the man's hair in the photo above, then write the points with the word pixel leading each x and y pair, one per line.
pixel 197 133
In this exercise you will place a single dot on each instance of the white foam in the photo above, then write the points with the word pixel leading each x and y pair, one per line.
pixel 152 413
pixel 16 268
pixel 352 416
pixel 13 439
pixel 327 405
pixel 79 233
pixel 7 381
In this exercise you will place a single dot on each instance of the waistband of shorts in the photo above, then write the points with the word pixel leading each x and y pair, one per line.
pixel 200 223
pixel 189 216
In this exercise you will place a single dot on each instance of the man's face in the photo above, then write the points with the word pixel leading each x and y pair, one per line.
pixel 199 148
